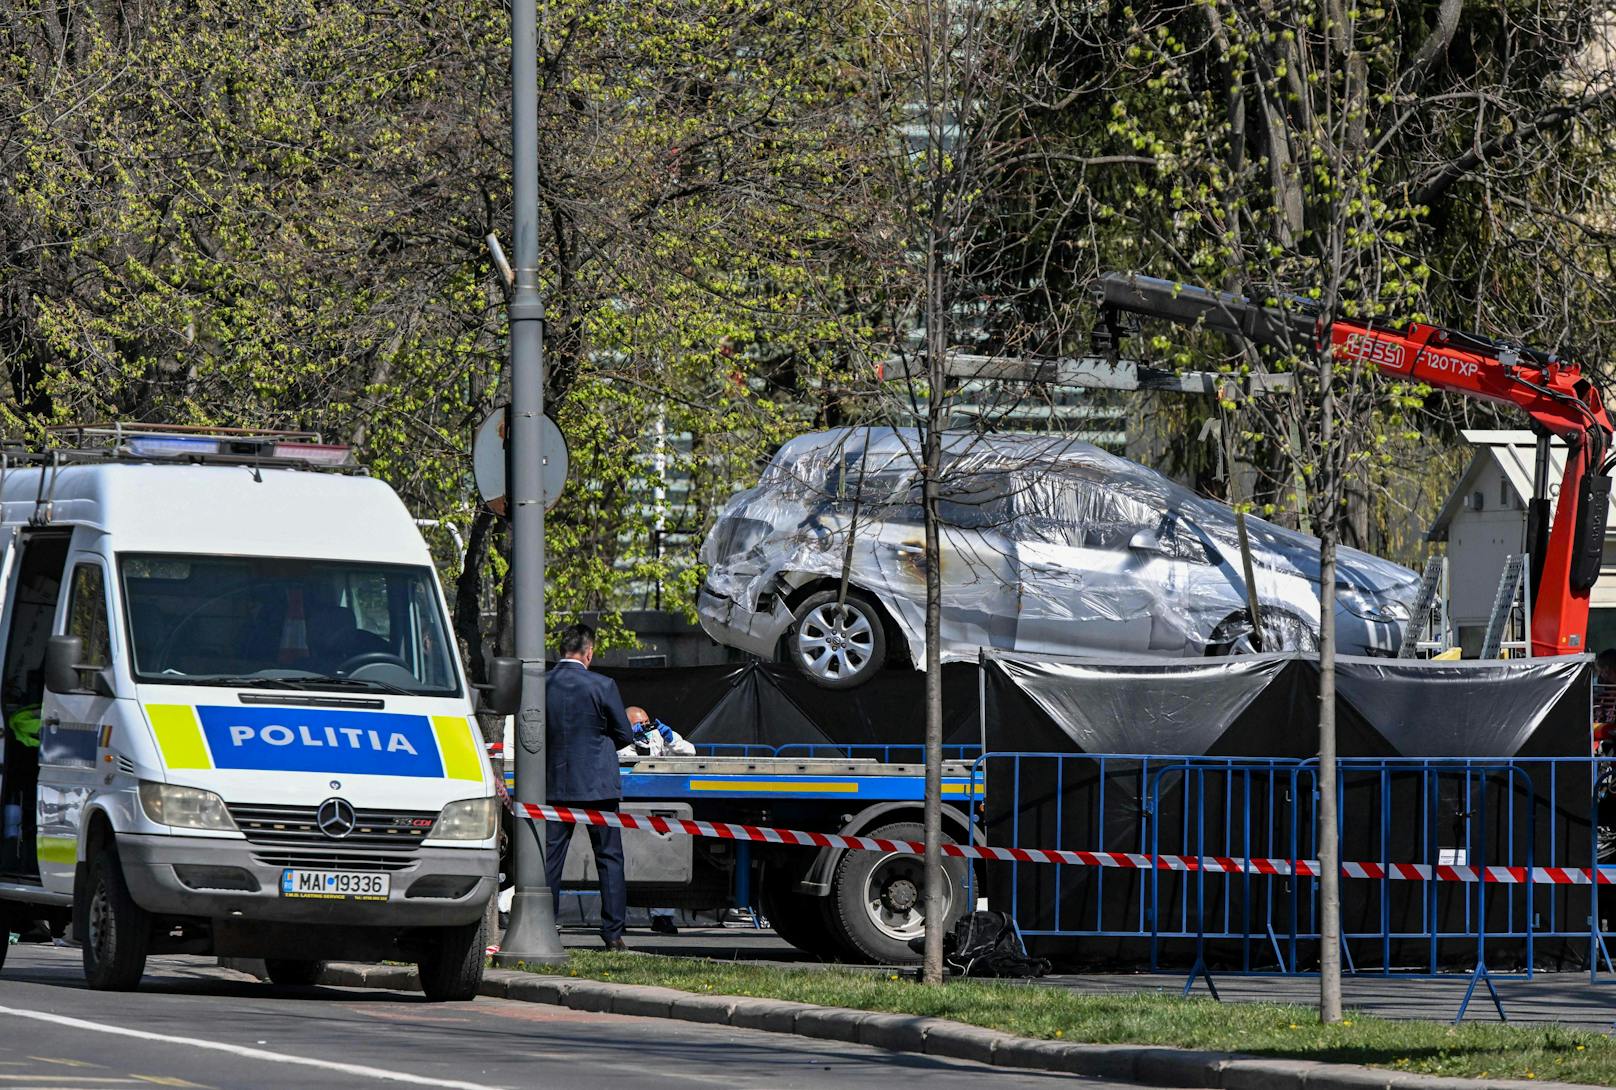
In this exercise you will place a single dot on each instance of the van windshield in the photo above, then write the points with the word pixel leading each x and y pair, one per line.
pixel 225 620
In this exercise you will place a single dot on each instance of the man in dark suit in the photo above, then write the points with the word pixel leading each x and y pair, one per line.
pixel 585 726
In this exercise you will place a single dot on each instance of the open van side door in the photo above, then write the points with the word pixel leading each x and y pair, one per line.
pixel 8 564
pixel 73 721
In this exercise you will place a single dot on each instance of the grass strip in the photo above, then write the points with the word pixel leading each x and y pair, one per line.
pixel 1274 1030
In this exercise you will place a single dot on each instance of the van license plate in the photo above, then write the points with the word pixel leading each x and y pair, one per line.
pixel 335 884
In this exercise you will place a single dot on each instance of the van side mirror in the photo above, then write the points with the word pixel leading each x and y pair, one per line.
pixel 503 693
pixel 65 669
pixel 62 654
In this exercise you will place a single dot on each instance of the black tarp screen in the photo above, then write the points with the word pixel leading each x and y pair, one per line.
pixel 771 704
pixel 1250 707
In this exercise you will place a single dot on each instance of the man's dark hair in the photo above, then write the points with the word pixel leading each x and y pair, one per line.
pixel 576 639
pixel 1606 659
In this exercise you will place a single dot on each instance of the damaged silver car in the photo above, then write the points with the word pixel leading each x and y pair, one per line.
pixel 1047 545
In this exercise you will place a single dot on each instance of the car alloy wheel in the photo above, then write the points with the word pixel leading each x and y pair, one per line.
pixel 835 642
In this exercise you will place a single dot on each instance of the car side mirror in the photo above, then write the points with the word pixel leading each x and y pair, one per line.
pixel 503 693
pixel 65 672
pixel 1145 542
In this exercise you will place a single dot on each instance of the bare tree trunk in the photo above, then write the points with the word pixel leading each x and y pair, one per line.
pixel 1329 842
pixel 1235 495
pixel 1334 468
pixel 936 351
pixel 468 601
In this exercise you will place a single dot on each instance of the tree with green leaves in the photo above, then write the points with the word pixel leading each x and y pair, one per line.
pixel 1370 159
pixel 251 215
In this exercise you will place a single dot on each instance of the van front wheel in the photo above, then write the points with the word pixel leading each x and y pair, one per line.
pixel 451 966
pixel 116 931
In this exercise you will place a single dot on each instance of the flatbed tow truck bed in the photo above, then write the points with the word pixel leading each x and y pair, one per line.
pixel 858 779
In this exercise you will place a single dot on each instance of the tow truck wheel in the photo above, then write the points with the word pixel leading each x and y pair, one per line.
pixel 798 918
pixel 116 931
pixel 879 900
pixel 451 967
pixel 293 974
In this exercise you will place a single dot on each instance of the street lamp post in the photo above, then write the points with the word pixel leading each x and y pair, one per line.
pixel 532 935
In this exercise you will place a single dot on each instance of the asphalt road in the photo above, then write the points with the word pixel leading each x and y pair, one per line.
pixel 193 1024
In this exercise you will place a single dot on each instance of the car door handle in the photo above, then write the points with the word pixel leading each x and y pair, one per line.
pixel 909 550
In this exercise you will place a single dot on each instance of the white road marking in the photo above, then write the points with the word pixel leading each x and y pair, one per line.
pixel 241 1050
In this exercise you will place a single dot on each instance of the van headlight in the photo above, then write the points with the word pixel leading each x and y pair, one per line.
pixel 468 819
pixel 184 807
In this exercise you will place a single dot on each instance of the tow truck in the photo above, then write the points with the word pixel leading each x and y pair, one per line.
pixel 833 904
pixel 1565 549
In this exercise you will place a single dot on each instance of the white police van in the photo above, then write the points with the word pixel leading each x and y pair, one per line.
pixel 234 720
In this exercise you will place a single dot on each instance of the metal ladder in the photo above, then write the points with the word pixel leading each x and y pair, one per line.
pixel 1427 629
pixel 1512 601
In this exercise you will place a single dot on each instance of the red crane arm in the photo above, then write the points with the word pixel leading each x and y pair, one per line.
pixel 1553 392
pixel 1561 401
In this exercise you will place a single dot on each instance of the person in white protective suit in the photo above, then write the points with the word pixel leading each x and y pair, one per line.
pixel 654 738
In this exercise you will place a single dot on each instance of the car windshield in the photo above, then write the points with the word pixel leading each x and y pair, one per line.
pixel 224 620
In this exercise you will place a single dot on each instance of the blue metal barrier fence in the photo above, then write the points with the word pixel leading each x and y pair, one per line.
pixel 1442 812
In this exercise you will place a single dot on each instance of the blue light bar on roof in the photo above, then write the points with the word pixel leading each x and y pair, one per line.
pixel 170 446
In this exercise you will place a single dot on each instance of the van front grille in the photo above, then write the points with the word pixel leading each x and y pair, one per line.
pixel 333 861
pixel 295 826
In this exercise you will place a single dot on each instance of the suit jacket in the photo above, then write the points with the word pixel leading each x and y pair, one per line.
pixel 585 726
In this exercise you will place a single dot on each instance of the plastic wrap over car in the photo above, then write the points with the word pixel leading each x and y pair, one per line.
pixel 1047 544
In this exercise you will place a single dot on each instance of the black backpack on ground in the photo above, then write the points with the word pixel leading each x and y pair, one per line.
pixel 989 944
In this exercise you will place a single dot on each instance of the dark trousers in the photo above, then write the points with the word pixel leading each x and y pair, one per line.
pixel 608 847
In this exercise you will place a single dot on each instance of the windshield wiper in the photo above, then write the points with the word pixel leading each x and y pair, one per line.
pixel 334 681
pixel 300 683
pixel 234 680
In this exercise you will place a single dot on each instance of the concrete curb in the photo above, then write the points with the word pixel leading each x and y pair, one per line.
pixel 1148 1065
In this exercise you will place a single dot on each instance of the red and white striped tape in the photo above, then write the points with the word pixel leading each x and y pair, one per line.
pixel 1212 864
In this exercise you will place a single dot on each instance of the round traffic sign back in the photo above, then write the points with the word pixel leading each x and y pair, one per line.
pixel 489 459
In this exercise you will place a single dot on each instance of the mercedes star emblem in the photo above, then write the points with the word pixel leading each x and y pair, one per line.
pixel 335 817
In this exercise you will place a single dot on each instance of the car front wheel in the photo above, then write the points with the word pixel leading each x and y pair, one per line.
pixel 837 644
pixel 1281 631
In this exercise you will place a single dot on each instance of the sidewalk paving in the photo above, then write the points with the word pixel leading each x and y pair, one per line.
pixel 1566 998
